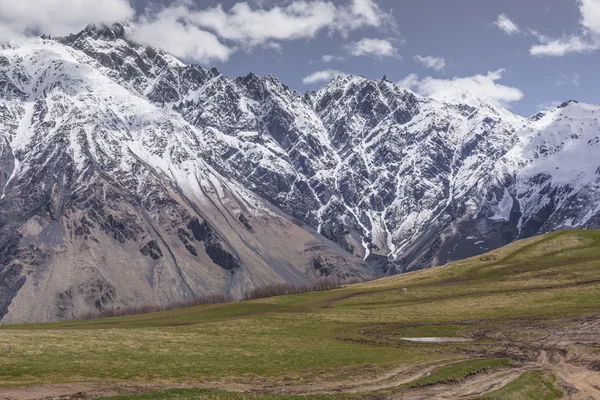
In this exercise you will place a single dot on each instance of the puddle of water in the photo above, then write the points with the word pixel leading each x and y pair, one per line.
pixel 438 339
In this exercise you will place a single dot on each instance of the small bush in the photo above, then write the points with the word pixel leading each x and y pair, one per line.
pixel 147 309
pixel 257 293
pixel 286 288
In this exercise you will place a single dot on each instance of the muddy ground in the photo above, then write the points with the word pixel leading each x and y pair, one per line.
pixel 570 351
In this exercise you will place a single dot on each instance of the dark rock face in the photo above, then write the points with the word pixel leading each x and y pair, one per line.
pixel 322 267
pixel 213 245
pixel 244 221
pixel 11 281
pixel 152 249
pixel 129 177
pixel 102 294
pixel 222 257
pixel 568 103
pixel 201 231
pixel 65 304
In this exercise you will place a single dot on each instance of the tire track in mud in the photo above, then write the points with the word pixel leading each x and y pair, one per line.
pixel 577 382
pixel 560 352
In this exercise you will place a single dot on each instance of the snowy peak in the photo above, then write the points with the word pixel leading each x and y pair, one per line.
pixel 469 103
pixel 568 103
pixel 364 103
pixel 564 144
pixel 99 169
pixel 118 31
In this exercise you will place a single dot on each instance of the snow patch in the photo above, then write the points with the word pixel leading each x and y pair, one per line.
pixel 505 206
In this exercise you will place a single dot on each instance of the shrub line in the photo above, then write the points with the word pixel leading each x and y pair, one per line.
pixel 262 292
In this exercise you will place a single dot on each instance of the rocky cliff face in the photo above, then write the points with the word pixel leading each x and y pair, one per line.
pixel 108 201
pixel 130 178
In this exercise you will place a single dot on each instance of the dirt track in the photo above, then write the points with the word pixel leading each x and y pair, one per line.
pixel 565 352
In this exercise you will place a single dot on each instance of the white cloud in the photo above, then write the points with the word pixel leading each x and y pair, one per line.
pixel 588 40
pixel 213 33
pixel 565 79
pixel 20 18
pixel 548 106
pixel 480 85
pixel 371 47
pixel 590 15
pixel 193 32
pixel 436 63
pixel 506 25
pixel 327 58
pixel 7 33
pixel 183 41
pixel 251 27
pixel 564 46
pixel 410 81
pixel 322 76
pixel 361 13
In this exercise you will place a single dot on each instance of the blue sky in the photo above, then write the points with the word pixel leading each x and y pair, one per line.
pixel 525 54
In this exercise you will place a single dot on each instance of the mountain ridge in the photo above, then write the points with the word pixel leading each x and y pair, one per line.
pixel 194 176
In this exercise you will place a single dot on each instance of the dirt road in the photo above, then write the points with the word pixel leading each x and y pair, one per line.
pixel 568 352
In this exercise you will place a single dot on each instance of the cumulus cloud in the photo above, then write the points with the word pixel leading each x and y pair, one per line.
pixel 480 85
pixel 436 63
pixel 195 32
pixel 410 81
pixel 590 15
pixel 506 25
pixel 250 26
pixel 371 47
pixel 588 40
pixel 21 18
pixel 213 33
pixel 361 13
pixel 183 41
pixel 321 76
pixel 565 45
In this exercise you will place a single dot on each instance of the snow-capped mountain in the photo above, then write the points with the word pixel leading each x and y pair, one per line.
pixel 108 200
pixel 130 178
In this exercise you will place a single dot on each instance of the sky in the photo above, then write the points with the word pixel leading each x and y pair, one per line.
pixel 527 55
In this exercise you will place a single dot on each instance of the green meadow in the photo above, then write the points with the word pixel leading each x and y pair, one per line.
pixel 345 343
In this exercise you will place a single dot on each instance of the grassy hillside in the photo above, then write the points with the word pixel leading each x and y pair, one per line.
pixel 524 308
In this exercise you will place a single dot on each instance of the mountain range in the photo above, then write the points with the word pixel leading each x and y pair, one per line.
pixel 129 178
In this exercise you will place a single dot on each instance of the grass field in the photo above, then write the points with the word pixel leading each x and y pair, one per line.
pixel 532 298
